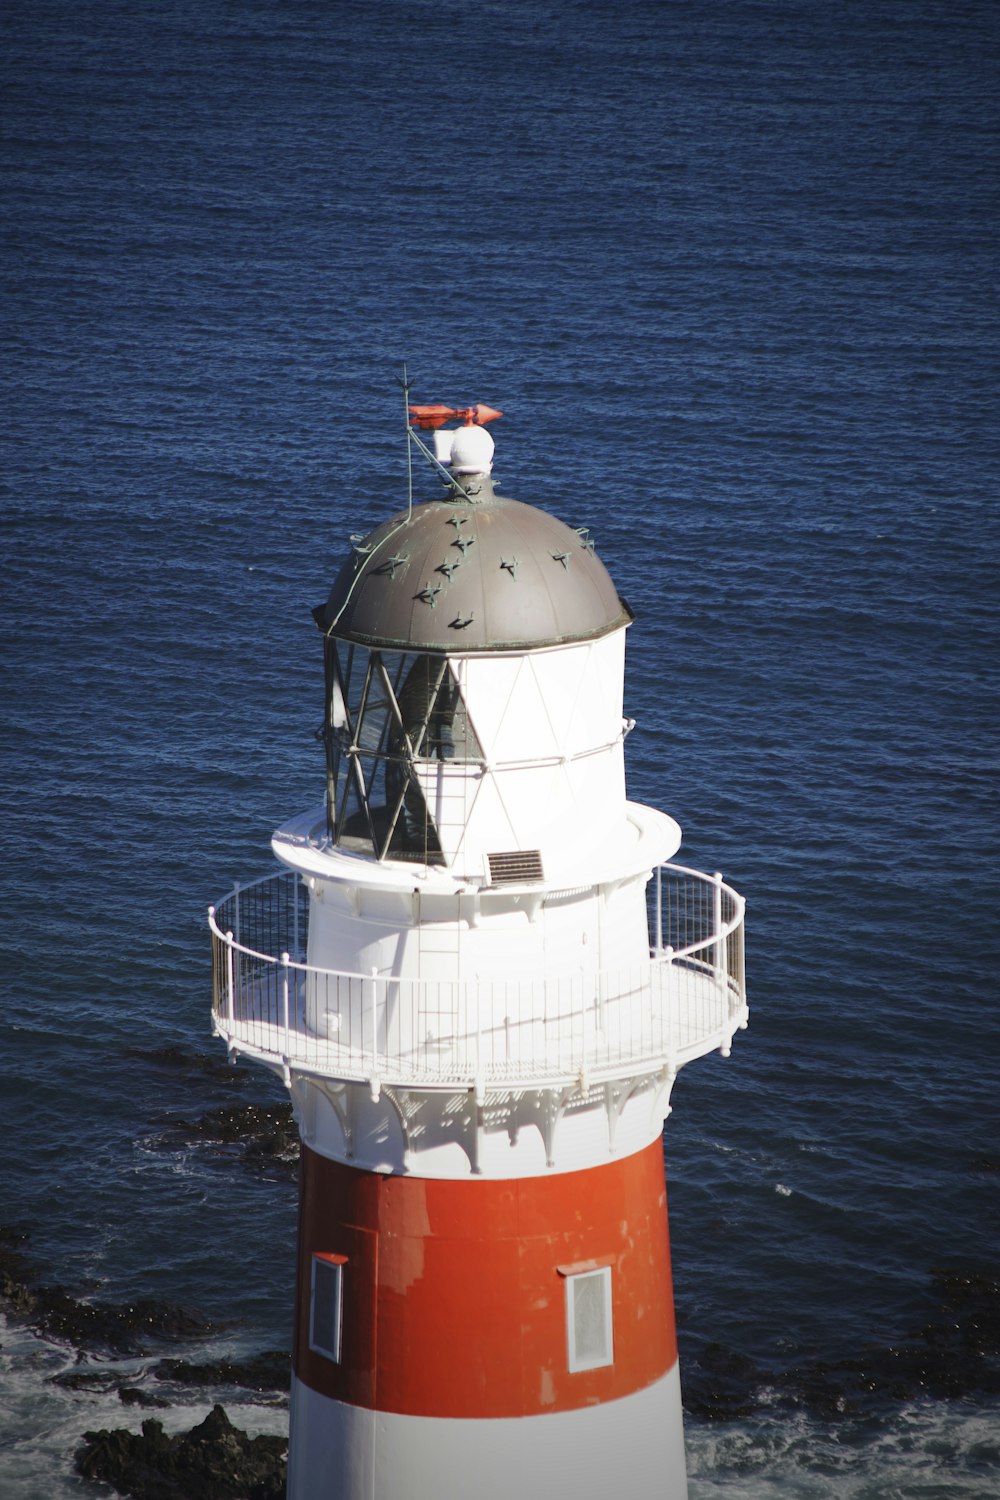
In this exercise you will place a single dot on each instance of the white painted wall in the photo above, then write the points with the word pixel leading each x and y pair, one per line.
pixel 633 1446
pixel 527 954
pixel 550 726
pixel 445 1135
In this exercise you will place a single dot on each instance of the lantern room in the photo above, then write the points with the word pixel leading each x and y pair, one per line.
pixel 474 655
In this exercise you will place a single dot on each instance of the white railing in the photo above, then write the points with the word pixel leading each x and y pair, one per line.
pixel 685 998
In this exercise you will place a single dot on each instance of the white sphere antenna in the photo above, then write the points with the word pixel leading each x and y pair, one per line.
pixel 472 451
pixel 443 439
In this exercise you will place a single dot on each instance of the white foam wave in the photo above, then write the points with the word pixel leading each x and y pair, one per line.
pixel 42 1424
pixel 925 1451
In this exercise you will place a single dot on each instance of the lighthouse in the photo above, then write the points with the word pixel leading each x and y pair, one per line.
pixel 478 969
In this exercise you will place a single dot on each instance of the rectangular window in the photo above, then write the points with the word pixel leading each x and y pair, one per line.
pixel 326 1305
pixel 588 1319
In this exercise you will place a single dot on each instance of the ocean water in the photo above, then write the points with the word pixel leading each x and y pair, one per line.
pixel 730 271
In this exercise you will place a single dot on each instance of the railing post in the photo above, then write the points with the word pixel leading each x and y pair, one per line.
pixel 236 904
pixel 373 976
pixel 229 976
pixel 720 942
pixel 284 999
pixel 296 890
pixel 216 976
pixel 659 908
pixel 583 1019
pixel 741 975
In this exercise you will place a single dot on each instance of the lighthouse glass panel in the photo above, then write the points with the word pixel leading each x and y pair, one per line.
pixel 394 719
pixel 588 1319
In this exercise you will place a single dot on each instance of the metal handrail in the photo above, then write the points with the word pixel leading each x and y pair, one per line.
pixel 289 877
pixel 686 998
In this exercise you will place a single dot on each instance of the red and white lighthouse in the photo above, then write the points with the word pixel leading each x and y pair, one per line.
pixel 478 974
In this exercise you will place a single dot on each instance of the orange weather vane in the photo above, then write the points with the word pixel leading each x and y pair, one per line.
pixel 437 416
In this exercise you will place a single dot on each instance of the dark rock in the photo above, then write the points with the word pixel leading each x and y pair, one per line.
pixel 271 1371
pixel 131 1395
pixel 118 1328
pixel 214 1064
pixel 100 1382
pixel 971 1302
pixel 954 1357
pixel 214 1461
pixel 17 1272
pixel 266 1133
pixel 127 1327
pixel 109 1327
pixel 721 1384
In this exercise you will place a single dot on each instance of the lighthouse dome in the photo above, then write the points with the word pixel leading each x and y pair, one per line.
pixel 473 572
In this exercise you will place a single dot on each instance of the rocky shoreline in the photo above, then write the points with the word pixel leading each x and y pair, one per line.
pixel 214 1461
pixel 98 1327
pixel 954 1355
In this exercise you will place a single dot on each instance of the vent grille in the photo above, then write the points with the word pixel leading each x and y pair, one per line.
pixel 518 865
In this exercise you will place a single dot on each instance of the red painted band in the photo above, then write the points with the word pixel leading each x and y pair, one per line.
pixel 455 1292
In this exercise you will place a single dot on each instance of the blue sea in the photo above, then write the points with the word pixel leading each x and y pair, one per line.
pixel 729 267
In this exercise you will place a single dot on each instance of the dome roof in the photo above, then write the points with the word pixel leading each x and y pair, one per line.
pixel 473 573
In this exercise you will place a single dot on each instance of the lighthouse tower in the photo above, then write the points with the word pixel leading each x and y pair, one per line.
pixel 478 973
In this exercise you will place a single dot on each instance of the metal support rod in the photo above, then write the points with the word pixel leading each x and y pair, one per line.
pixel 296 893
pixel 720 941
pixel 373 976
pixel 668 1025
pixel 409 449
pixel 284 998
pixel 229 976
pixel 659 909
pixel 583 1020
pixel 436 463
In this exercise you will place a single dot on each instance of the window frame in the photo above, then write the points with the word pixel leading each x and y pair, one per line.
pixel 573 1277
pixel 328 1264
